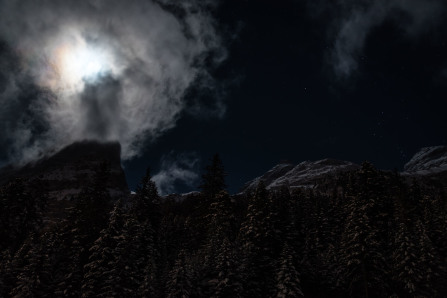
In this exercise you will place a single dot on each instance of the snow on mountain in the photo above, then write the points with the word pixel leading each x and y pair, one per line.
pixel 275 173
pixel 429 160
pixel 305 174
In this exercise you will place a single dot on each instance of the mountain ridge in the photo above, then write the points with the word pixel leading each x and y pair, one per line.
pixel 428 164
pixel 428 160
pixel 71 168
pixel 307 174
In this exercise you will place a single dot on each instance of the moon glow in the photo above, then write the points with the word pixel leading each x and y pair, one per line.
pixel 75 62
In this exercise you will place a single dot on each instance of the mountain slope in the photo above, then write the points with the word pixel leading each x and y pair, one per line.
pixel 73 167
pixel 428 165
pixel 428 160
pixel 305 174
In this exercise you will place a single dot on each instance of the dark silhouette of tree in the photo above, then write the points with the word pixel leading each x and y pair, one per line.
pixel 433 269
pixel 145 209
pixel 213 180
pixel 35 279
pixel 146 201
pixel 362 256
pixel 256 235
pixel 287 277
pixel 111 270
pixel 407 274
pixel 85 220
pixel 220 262
pixel 228 282
pixel 180 279
pixel 141 249
pixel 21 209
pixel 6 276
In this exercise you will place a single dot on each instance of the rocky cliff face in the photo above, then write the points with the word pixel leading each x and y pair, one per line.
pixel 306 174
pixel 73 167
pixel 429 165
pixel 428 160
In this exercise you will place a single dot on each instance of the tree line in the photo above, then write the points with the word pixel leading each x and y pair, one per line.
pixel 370 234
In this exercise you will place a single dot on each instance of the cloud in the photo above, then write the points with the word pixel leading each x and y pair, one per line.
pixel 152 53
pixel 177 169
pixel 22 120
pixel 354 20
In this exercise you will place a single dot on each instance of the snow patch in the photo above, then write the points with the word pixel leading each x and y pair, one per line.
pixel 428 160
pixel 305 174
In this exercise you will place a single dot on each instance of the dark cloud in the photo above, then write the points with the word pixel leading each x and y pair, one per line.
pixel 154 53
pixel 23 122
pixel 350 22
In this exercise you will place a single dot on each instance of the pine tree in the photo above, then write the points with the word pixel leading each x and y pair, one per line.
pixel 149 286
pixel 407 274
pixel 180 279
pixel 34 279
pixel 213 180
pixel 256 234
pixel 6 278
pixel 21 209
pixel 199 220
pixel 221 215
pixel 287 277
pixel 146 201
pixel 220 264
pixel 434 272
pixel 70 252
pixel 145 219
pixel 142 252
pixel 228 282
pixel 108 273
pixel 78 233
pixel 362 249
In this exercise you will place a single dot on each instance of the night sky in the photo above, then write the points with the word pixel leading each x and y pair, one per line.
pixel 286 102
pixel 290 80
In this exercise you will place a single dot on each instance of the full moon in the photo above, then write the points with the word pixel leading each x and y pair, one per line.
pixel 81 62
pixel 76 62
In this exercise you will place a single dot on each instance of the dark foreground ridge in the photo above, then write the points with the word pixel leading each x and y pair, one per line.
pixel 321 229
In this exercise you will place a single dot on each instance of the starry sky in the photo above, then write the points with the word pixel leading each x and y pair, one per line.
pixel 287 100
pixel 258 82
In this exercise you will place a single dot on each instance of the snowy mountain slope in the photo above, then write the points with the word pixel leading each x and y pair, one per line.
pixel 427 165
pixel 272 175
pixel 427 161
pixel 305 174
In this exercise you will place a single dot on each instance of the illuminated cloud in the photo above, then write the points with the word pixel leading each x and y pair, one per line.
pixel 177 169
pixel 103 70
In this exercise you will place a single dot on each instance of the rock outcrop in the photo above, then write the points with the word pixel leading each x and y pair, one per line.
pixel 72 168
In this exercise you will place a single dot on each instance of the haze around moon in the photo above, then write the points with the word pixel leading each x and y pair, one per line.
pixel 104 70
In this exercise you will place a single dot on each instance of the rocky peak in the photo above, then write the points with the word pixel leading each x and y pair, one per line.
pixel 428 160
pixel 73 167
pixel 304 174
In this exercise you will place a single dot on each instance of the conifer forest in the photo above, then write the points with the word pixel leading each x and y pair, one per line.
pixel 364 233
